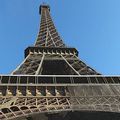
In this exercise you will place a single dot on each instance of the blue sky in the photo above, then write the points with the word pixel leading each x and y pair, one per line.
pixel 92 26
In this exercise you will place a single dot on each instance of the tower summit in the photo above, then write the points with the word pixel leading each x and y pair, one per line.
pixel 48 35
pixel 52 83
pixel 44 6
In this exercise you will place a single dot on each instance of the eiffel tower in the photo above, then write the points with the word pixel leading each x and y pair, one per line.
pixel 52 83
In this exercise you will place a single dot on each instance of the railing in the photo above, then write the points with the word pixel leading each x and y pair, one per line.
pixel 58 79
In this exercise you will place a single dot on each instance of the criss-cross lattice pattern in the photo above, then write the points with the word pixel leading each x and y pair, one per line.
pixel 46 82
pixel 48 35
pixel 85 97
pixel 70 63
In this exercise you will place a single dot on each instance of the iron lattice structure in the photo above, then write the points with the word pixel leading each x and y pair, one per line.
pixel 52 80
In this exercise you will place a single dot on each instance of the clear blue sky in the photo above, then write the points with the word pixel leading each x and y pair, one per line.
pixel 92 26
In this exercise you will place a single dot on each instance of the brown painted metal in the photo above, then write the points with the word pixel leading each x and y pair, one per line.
pixel 52 80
